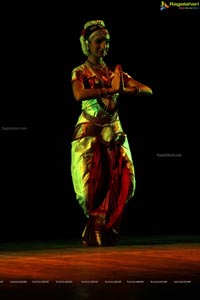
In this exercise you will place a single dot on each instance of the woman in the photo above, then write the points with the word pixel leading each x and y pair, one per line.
pixel 101 163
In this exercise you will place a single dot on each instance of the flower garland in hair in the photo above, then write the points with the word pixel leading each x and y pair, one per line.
pixel 84 43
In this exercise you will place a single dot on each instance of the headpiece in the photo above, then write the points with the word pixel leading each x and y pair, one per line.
pixel 92 26
pixel 88 29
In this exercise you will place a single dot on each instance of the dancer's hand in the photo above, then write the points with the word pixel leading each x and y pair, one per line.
pixel 117 81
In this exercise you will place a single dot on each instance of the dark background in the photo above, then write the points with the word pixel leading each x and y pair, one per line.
pixel 41 47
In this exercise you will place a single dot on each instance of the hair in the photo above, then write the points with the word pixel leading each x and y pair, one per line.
pixel 88 29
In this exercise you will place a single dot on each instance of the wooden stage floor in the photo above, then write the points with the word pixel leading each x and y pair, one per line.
pixel 153 267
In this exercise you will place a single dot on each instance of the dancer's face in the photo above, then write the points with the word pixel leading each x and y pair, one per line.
pixel 99 42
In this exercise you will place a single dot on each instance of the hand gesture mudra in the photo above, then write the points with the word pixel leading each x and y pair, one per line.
pixel 117 81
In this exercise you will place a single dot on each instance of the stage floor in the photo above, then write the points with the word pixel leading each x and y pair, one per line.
pixel 138 268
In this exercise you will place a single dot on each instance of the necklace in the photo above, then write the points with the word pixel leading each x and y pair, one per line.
pixel 101 72
pixel 96 66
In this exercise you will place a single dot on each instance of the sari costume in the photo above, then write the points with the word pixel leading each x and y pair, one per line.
pixel 101 163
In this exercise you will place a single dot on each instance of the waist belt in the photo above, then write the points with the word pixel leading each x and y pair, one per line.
pixel 108 128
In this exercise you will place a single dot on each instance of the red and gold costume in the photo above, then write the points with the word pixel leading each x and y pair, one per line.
pixel 101 163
